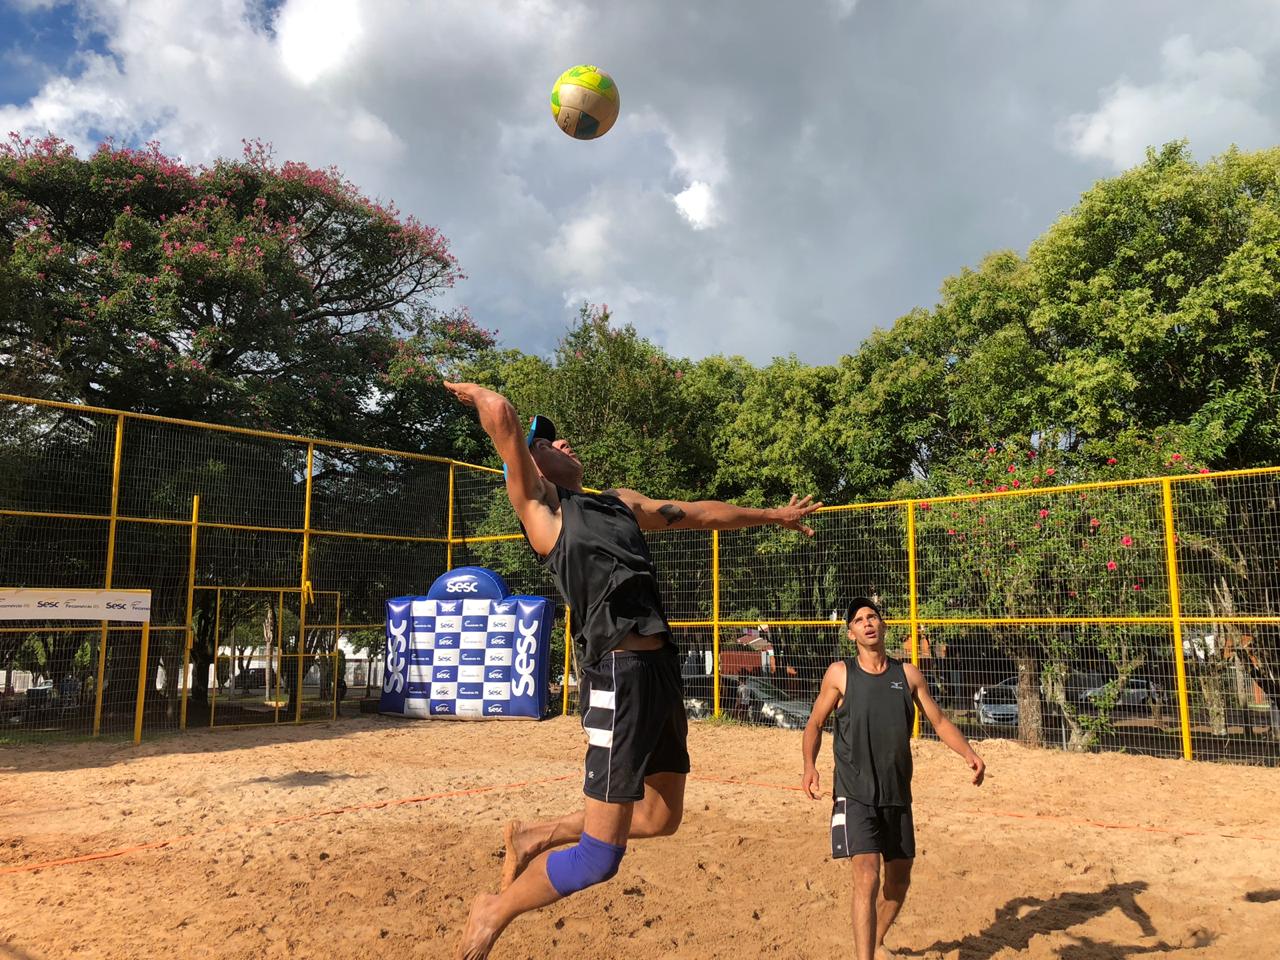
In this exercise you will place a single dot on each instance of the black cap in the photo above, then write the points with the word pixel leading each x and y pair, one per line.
pixel 541 428
pixel 856 604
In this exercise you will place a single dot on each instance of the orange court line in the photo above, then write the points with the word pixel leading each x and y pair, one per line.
pixel 1077 821
pixel 234 828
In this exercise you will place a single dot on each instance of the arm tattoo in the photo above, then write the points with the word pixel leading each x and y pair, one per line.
pixel 671 512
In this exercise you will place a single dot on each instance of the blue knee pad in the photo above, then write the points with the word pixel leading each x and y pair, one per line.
pixel 590 862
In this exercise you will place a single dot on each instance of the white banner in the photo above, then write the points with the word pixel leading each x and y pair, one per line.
pixel 130 606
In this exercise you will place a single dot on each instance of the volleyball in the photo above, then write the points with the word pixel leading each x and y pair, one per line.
pixel 584 102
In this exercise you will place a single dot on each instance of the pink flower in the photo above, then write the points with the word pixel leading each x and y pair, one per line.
pixel 925 506
pixel 1111 461
pixel 1043 513
pixel 1137 586
pixel 1204 469
pixel 1111 565
pixel 1012 468
pixel 1176 457
pixel 1017 483
pixel 1002 488
pixel 1049 472
pixel 1126 540
pixel 991 449
pixel 951 533
pixel 1095 522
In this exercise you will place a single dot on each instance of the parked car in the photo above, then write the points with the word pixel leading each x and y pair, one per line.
pixel 1137 692
pixel 765 702
pixel 997 705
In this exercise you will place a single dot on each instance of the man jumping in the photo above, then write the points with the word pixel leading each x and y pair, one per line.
pixel 633 706
pixel 873 697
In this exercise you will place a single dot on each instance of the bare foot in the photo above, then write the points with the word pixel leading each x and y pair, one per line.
pixel 884 953
pixel 481 932
pixel 515 860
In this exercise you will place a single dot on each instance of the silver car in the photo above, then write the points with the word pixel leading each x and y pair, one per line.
pixel 998 704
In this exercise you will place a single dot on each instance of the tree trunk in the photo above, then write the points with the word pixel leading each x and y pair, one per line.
pixel 1030 723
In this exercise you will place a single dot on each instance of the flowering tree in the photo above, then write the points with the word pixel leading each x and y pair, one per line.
pixel 248 292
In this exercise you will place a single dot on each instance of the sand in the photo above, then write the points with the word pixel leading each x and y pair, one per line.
pixel 368 838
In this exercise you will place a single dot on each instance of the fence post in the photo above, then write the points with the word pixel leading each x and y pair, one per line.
pixel 448 550
pixel 564 677
pixel 191 597
pixel 142 682
pixel 1175 611
pixel 217 639
pixel 305 584
pixel 913 607
pixel 715 622
pixel 111 556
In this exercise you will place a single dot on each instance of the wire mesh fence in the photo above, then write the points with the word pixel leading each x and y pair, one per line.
pixel 1141 616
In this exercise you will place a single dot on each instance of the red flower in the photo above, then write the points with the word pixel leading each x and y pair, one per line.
pixel 1031 454
pixel 1049 472
pixel 1043 513
pixel 1017 483
pixel 951 533
pixel 1176 457
pixel 1111 461
pixel 1012 468
pixel 991 449
pixel 1137 586
pixel 1095 522
pixel 1126 540
pixel 1002 489
pixel 1204 469
pixel 1111 564
pixel 925 506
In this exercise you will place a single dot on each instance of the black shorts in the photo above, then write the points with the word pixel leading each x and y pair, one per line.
pixel 633 715
pixel 861 828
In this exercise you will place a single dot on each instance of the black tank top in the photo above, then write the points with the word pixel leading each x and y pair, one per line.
pixel 602 566
pixel 873 736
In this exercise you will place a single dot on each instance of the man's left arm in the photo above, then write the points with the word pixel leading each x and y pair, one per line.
pixel 947 731
pixel 654 514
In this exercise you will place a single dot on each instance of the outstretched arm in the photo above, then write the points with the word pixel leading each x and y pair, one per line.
pixel 525 487
pixel 714 514
pixel 833 682
pixel 947 731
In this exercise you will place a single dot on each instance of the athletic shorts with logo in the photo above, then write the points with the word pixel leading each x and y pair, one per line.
pixel 861 828
pixel 634 718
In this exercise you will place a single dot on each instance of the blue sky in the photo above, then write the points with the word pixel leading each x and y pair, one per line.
pixel 775 184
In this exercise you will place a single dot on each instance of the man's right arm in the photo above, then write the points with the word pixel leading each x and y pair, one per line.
pixel 526 488
pixel 829 695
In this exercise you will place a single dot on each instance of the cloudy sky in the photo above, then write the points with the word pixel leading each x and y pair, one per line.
pixel 783 178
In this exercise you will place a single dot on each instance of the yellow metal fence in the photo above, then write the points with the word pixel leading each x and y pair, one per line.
pixel 1140 615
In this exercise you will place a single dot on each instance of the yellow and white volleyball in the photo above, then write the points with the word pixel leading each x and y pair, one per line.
pixel 584 102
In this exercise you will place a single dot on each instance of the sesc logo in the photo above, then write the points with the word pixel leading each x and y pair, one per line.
pixel 114 605
pixel 526 646
pixel 462 585
pixel 397 643
pixel 47 604
pixel 493 708
pixel 442 708
pixel 497 674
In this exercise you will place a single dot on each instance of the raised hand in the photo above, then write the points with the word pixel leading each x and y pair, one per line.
pixel 792 515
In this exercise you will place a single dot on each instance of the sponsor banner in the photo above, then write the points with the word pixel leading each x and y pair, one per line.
pixel 471 650
pixel 395 679
pixel 124 606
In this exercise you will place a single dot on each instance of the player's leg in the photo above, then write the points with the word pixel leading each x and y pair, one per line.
pixel 893 891
pixel 657 815
pixel 550 877
pixel 898 831
pixel 866 885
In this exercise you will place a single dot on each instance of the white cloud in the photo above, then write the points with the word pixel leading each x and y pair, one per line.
pixel 316 37
pixel 696 204
pixel 1211 98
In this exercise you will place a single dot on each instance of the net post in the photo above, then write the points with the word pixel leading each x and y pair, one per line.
pixel 568 652
pixel 142 682
pixel 191 596
pixel 1175 612
pixel 914 613
pixel 306 582
pixel 111 555
pixel 715 623
pixel 448 550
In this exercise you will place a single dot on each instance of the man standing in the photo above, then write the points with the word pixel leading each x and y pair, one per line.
pixel 872 696
pixel 637 760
